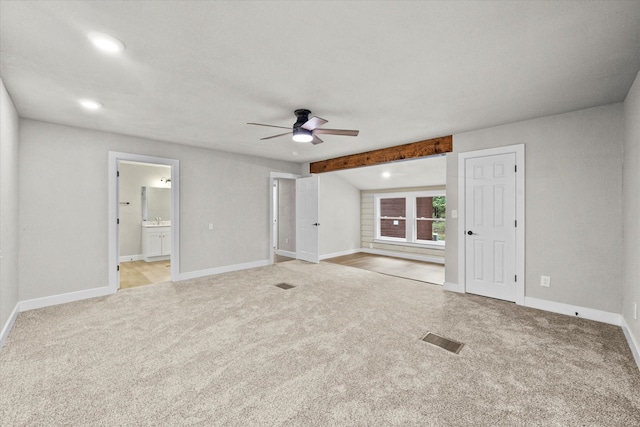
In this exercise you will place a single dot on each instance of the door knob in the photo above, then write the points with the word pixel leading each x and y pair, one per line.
pixel 470 233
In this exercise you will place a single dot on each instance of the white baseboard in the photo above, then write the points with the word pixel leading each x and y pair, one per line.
pixel 289 254
pixel 128 258
pixel 453 287
pixel 634 345
pixel 32 304
pixel 155 258
pixel 343 253
pixel 6 329
pixel 570 310
pixel 405 255
pixel 220 270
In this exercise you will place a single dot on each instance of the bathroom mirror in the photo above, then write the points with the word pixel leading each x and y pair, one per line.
pixel 156 202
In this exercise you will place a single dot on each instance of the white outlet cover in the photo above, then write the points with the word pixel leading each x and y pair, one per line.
pixel 545 281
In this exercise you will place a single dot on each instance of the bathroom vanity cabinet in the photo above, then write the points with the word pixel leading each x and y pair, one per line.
pixel 156 243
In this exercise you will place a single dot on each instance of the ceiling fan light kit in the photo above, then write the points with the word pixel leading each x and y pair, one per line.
pixel 305 128
pixel 302 135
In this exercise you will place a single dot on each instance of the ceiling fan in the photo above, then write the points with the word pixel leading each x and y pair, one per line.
pixel 306 129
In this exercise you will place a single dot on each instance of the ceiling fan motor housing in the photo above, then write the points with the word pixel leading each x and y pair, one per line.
pixel 303 116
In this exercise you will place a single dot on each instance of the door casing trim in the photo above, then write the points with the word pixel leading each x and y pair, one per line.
pixel 519 151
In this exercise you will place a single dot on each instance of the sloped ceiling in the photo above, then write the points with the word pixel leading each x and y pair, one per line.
pixel 194 72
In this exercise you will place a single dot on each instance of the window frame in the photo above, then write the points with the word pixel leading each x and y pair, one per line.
pixel 411 220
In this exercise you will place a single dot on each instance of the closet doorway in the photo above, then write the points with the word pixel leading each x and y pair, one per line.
pixel 283 217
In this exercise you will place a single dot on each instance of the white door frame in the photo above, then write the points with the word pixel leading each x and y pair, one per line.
pixel 272 177
pixel 520 214
pixel 114 210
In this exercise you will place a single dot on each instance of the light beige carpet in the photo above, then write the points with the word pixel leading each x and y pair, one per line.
pixel 341 348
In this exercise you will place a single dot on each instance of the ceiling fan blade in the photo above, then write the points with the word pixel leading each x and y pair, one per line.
pixel 313 123
pixel 344 132
pixel 271 126
pixel 275 136
pixel 316 140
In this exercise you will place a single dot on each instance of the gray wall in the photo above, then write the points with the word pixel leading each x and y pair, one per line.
pixel 63 215
pixel 132 178
pixel 367 215
pixel 573 203
pixel 631 209
pixel 339 215
pixel 9 137
pixel 287 214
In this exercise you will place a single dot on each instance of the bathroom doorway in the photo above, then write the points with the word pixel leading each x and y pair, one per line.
pixel 145 223
pixel 144 228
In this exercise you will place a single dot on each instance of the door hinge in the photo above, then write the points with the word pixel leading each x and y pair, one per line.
pixel 118 221
pixel 118 268
pixel 515 168
pixel 118 174
pixel 516 278
pixel 516 221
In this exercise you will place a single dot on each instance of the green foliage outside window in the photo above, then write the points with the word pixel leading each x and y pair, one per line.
pixel 439 206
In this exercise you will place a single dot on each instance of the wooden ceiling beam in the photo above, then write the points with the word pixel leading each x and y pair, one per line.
pixel 428 147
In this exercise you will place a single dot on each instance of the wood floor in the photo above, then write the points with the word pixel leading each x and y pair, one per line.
pixel 139 273
pixel 399 267
pixel 281 258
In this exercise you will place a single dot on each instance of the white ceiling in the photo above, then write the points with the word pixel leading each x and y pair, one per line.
pixel 425 172
pixel 195 72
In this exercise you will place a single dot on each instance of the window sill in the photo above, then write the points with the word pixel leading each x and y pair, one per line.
pixel 436 246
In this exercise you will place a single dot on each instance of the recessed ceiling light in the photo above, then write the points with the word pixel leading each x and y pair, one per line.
pixel 386 174
pixel 90 104
pixel 105 42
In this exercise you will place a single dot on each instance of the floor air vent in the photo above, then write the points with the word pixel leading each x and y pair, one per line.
pixel 442 342
pixel 285 286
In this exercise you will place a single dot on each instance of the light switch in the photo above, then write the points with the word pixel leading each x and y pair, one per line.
pixel 210 226
pixel 454 213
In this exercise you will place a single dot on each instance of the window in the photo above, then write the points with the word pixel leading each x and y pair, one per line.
pixel 430 217
pixel 416 218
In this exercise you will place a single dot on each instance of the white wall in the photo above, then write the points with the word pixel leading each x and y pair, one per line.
pixel 339 216
pixel 367 224
pixel 631 209
pixel 63 214
pixel 132 178
pixel 9 137
pixel 573 203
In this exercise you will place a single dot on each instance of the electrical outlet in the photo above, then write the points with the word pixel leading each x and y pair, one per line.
pixel 370 245
pixel 545 281
pixel 210 226
pixel 286 240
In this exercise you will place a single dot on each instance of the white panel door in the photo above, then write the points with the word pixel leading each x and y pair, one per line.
pixel 307 243
pixel 490 226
